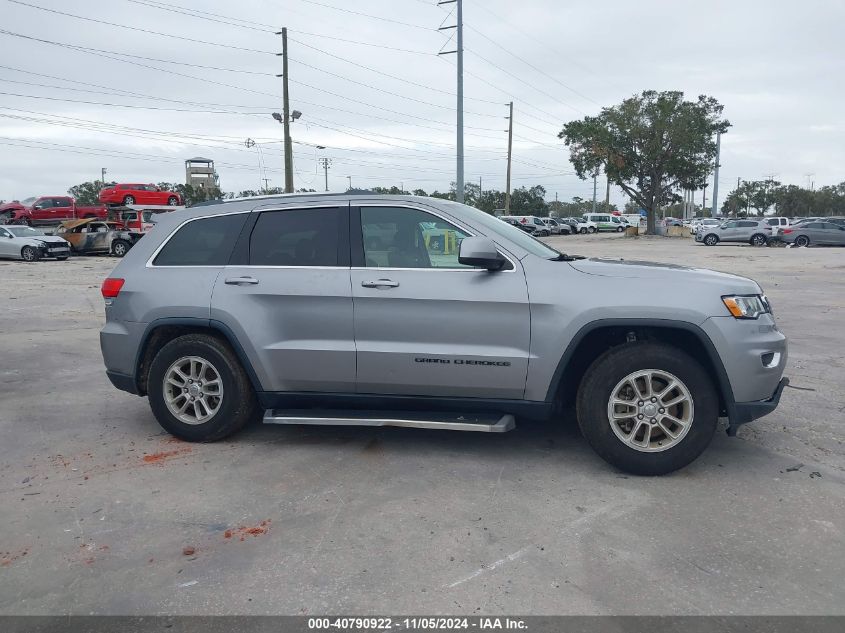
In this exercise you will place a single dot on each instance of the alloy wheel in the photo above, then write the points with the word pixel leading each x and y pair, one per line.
pixel 193 390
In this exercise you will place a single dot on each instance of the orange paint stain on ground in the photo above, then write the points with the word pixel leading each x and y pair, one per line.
pixel 243 531
pixel 7 558
pixel 159 458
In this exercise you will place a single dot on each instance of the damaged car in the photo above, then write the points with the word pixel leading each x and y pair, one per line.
pixel 93 236
pixel 28 244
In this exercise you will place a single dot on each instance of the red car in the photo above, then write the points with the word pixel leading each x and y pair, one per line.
pixel 139 194
pixel 49 210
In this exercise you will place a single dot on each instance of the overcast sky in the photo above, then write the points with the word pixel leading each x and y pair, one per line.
pixel 385 111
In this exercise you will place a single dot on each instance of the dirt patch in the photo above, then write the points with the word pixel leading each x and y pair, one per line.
pixel 7 558
pixel 243 531
pixel 163 456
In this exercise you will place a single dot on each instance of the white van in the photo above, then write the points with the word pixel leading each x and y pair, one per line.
pixel 605 221
pixel 634 219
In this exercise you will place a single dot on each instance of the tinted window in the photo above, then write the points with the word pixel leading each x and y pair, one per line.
pixel 61 202
pixel 205 242
pixel 815 225
pixel 396 237
pixel 46 203
pixel 773 222
pixel 729 225
pixel 298 237
pixel 746 225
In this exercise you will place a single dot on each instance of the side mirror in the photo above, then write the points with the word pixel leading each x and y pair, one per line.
pixel 481 253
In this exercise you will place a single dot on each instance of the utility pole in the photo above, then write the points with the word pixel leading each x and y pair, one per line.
pixel 715 209
pixel 266 184
pixel 704 199
pixel 103 171
pixel 607 197
pixel 595 182
pixel 350 181
pixel 325 162
pixel 510 153
pixel 286 112
pixel 459 50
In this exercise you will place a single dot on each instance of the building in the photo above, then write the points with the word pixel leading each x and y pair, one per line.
pixel 200 174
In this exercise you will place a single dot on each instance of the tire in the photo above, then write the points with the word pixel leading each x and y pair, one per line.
pixel 758 239
pixel 172 201
pixel 128 200
pixel 711 240
pixel 237 403
pixel 120 247
pixel 700 409
pixel 583 231
pixel 592 229
pixel 30 254
pixel 620 229
pixel 802 240
pixel 61 259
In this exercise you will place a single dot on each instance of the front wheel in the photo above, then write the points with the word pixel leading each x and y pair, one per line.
pixel 802 240
pixel 619 229
pixel 198 390
pixel 758 240
pixel 129 200
pixel 120 247
pixel 647 408
pixel 29 254
pixel 592 229
pixel 583 231
pixel 172 201
pixel 711 240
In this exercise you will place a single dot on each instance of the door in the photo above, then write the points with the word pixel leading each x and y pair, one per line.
pixel 426 324
pixel 8 248
pixel 42 211
pixel 286 296
pixel 728 231
pixel 62 209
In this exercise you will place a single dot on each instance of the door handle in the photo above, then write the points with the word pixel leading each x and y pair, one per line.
pixel 380 283
pixel 241 281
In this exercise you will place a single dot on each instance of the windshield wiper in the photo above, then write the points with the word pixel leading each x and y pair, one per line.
pixel 563 257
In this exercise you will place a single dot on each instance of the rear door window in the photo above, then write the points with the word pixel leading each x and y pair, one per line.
pixel 296 237
pixel 202 242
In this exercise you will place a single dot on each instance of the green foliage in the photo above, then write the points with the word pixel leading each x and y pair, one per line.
pixel 87 194
pixel 789 200
pixel 649 145
pixel 578 207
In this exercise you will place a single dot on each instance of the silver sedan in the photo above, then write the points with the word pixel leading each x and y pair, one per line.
pixel 816 233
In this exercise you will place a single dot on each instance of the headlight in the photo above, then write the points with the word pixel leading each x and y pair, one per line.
pixel 746 306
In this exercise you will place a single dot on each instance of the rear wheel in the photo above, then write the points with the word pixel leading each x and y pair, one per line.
pixel 592 229
pixel 129 200
pixel 172 201
pixel 758 239
pixel 619 229
pixel 711 240
pixel 583 231
pixel 120 247
pixel 30 254
pixel 647 408
pixel 802 240
pixel 198 390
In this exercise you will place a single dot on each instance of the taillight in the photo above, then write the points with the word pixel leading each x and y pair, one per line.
pixel 111 287
pixel 787 230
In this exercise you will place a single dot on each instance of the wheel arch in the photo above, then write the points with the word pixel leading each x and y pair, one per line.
pixel 597 337
pixel 161 331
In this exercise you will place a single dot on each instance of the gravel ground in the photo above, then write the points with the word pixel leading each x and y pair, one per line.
pixel 106 514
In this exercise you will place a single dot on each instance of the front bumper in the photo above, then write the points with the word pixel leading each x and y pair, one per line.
pixel 745 412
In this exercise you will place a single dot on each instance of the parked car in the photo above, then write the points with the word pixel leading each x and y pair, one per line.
pixel 49 210
pixel 28 244
pixel 139 194
pixel 539 229
pixel 98 237
pixel 634 219
pixel 604 221
pixel 814 233
pixel 278 306
pixel 584 226
pixel 556 227
pixel 528 228
pixel 754 232
pixel 704 224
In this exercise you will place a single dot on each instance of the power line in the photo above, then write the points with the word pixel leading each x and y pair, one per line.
pixel 136 28
pixel 368 15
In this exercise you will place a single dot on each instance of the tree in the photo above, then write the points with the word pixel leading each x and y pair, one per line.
pixel 649 145
pixel 88 193
pixel 525 201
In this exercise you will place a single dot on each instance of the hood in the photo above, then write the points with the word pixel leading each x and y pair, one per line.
pixel 667 273
pixel 50 239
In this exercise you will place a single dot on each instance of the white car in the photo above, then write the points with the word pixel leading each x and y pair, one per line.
pixel 704 223
pixel 18 241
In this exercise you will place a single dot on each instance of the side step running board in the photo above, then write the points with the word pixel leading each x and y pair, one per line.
pixel 485 422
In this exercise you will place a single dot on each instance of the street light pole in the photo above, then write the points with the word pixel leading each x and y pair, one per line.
pixel 288 149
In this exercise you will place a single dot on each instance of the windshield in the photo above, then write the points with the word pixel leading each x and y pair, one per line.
pixel 23 231
pixel 510 232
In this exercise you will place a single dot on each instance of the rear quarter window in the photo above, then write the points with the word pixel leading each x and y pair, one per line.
pixel 203 242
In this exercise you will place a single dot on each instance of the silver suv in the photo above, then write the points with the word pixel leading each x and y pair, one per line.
pixel 397 310
pixel 754 232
